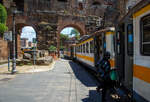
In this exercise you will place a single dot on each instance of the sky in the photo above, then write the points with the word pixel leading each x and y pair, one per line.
pixel 28 32
pixel 66 30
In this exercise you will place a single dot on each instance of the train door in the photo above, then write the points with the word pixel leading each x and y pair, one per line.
pixel 103 43
pixel 128 64
pixel 97 48
pixel 119 53
pixel 124 53
pixel 109 46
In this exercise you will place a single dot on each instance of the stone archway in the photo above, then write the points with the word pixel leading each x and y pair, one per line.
pixel 19 27
pixel 78 26
pixel 74 22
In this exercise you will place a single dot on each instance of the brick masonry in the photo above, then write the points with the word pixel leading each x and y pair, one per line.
pixel 3 50
pixel 80 15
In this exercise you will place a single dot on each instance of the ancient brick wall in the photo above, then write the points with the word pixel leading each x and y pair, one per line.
pixel 3 50
pixel 57 15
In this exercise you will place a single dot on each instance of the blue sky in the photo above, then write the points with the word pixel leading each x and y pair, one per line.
pixel 28 32
pixel 66 30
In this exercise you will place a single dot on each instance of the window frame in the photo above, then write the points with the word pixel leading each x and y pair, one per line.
pixel 142 38
pixel 118 43
pixel 84 48
pixel 92 46
pixel 87 47
pixel 129 52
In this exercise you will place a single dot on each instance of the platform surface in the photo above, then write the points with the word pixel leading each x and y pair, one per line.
pixel 67 82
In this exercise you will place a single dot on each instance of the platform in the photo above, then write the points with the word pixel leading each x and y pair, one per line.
pixel 67 82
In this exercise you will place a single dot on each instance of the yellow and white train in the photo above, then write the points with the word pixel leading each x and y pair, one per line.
pixel 129 45
pixel 141 60
pixel 87 51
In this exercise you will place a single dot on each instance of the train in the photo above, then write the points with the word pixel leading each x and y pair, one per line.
pixel 129 45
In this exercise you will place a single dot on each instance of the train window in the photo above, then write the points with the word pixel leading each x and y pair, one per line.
pixel 118 43
pixel 83 48
pixel 91 47
pixel 79 49
pixel 87 47
pixel 145 39
pixel 130 39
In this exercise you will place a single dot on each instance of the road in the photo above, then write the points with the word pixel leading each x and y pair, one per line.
pixel 67 82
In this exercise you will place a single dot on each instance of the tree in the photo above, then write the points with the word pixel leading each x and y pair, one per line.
pixel 52 48
pixel 3 28
pixel 3 18
pixel 76 33
pixel 63 39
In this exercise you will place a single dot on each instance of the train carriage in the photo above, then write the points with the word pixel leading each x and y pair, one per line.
pixel 141 69
pixel 85 52
pixel 133 50
pixel 70 52
pixel 90 50
pixel 67 52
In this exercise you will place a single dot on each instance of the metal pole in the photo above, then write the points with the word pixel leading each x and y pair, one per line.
pixel 14 47
pixel 34 55
pixel 8 63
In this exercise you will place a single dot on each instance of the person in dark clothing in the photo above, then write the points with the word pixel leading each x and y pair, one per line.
pixel 103 72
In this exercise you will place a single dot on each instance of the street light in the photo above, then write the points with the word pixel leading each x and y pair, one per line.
pixel 14 43
pixel 14 40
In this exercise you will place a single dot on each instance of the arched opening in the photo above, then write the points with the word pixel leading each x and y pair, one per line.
pixel 28 43
pixel 64 23
pixel 68 35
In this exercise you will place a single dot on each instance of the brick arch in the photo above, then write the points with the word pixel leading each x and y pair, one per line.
pixel 74 22
pixel 19 27
pixel 79 26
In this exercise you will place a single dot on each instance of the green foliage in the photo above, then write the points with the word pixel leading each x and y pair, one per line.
pixel 64 37
pixel 3 14
pixel 52 48
pixel 62 47
pixel 76 33
pixel 3 18
pixel 3 28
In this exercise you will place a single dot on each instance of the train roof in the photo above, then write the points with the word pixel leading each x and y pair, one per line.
pixel 99 32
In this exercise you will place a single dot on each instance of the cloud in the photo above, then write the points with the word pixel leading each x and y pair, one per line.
pixel 66 30
pixel 28 32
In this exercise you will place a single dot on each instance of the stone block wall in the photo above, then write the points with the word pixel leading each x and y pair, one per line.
pixel 3 50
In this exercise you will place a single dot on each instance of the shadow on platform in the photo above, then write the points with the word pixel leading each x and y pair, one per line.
pixel 82 75
pixel 93 97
